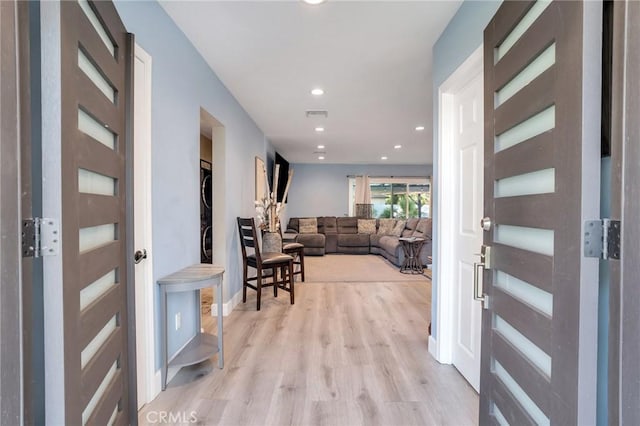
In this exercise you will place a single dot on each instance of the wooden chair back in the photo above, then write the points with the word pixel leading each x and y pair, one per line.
pixel 249 237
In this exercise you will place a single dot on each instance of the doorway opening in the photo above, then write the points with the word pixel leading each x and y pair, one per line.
pixel 212 196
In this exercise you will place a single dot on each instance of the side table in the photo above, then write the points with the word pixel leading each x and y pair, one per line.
pixel 203 345
pixel 412 246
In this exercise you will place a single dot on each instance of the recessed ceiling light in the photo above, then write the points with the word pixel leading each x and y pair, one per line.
pixel 320 146
pixel 321 157
pixel 419 128
pixel 397 146
pixel 317 92
pixel 314 2
pixel 383 158
pixel 319 129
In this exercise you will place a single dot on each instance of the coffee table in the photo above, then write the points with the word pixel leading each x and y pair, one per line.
pixel 412 246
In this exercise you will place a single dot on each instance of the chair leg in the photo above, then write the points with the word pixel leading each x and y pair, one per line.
pixel 301 256
pixel 291 280
pixel 275 282
pixel 259 287
pixel 244 283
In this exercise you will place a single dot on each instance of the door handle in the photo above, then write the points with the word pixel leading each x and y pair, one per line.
pixel 477 291
pixel 139 256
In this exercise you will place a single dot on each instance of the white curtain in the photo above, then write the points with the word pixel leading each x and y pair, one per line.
pixel 363 190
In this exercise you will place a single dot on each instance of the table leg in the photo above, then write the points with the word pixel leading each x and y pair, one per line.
pixel 163 337
pixel 220 348
pixel 199 312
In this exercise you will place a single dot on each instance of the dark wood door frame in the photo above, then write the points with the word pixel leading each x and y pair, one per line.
pixel 624 299
pixel 15 200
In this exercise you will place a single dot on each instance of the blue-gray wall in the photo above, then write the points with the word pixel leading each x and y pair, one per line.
pixel 322 189
pixel 460 39
pixel 182 82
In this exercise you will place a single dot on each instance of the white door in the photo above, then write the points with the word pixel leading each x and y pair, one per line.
pixel 468 198
pixel 142 232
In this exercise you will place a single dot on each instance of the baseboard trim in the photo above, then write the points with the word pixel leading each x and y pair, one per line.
pixel 433 345
pixel 228 307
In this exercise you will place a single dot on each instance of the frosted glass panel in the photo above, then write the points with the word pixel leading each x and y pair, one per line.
pixel 89 126
pixel 498 415
pixel 84 5
pixel 95 183
pixel 96 289
pixel 95 76
pixel 531 239
pixel 94 346
pixel 533 353
pixel 95 236
pixel 528 19
pixel 533 126
pixel 538 182
pixel 530 294
pixel 543 62
pixel 93 402
pixel 520 395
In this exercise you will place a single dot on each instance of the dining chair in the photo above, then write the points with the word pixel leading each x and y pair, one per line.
pixel 266 264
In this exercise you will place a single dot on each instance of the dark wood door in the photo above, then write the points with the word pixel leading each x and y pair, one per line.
pixel 624 299
pixel 15 202
pixel 95 152
pixel 542 157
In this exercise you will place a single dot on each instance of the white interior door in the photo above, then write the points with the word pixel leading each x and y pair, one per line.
pixel 468 198
pixel 142 234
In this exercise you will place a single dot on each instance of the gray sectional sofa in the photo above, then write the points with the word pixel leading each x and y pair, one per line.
pixel 340 235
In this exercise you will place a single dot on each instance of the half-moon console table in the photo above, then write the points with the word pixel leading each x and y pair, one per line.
pixel 203 345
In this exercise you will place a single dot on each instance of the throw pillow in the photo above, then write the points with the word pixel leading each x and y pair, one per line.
pixel 309 226
pixel 386 226
pixel 397 230
pixel 366 226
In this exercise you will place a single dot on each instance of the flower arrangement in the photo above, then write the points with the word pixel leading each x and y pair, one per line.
pixel 268 209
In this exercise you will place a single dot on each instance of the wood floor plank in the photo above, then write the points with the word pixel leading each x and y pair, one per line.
pixel 347 353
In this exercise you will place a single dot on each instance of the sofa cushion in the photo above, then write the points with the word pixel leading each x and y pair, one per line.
pixel 311 240
pixel 397 230
pixel 389 243
pixel 374 240
pixel 406 233
pixel 294 224
pixel 347 225
pixel 309 225
pixel 327 225
pixel 366 226
pixel 386 226
pixel 353 240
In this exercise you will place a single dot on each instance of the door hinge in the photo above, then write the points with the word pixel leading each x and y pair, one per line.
pixel 40 237
pixel 602 238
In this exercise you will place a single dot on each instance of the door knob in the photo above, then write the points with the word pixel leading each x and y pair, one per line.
pixel 485 223
pixel 139 256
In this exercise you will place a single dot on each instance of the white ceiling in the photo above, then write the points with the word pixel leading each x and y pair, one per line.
pixel 372 58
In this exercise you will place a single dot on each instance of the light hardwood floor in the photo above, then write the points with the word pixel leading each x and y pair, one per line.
pixel 344 354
